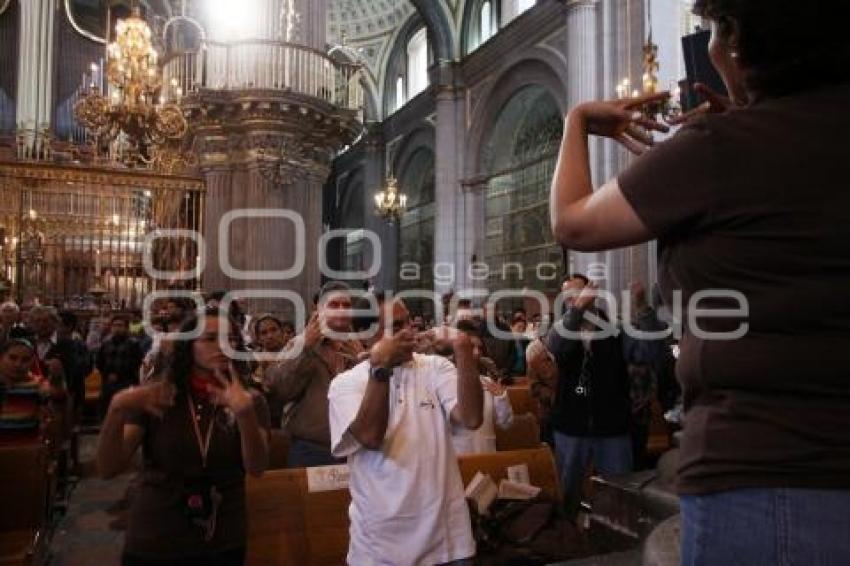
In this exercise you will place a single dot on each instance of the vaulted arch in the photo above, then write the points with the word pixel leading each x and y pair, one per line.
pixel 438 19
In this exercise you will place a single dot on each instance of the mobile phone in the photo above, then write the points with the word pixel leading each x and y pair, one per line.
pixel 699 69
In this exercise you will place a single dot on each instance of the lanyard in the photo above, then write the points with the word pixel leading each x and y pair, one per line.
pixel 203 445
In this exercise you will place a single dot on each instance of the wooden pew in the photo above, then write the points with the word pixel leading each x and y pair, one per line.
pixel 523 433
pixel 24 497
pixel 288 525
pixel 521 400
pixel 278 449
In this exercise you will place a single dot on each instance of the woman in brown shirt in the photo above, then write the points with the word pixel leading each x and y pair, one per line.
pixel 200 429
pixel 751 199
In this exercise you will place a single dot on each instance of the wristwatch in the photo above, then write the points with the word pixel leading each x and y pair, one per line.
pixel 380 374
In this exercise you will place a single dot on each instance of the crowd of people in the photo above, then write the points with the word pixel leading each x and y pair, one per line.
pixel 203 419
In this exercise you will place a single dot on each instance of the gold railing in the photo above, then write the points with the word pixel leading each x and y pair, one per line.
pixel 271 65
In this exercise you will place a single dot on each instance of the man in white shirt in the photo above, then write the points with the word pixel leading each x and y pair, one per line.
pixel 392 417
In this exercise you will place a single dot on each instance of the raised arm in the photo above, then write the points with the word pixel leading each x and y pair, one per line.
pixel 119 439
pixel 370 425
pixel 469 410
pixel 585 220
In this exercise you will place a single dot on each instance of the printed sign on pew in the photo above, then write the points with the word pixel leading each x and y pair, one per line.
pixel 327 478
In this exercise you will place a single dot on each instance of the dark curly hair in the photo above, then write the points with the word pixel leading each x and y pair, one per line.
pixel 177 364
pixel 786 46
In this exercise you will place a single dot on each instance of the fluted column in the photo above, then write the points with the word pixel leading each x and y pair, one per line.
pixel 584 73
pixel 450 243
pixel 35 65
pixel 218 202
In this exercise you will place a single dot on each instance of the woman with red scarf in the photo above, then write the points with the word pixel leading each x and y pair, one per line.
pixel 201 429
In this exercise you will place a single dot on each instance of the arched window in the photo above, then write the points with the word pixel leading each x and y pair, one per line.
pixel 513 8
pixel 417 63
pixel 523 5
pixel 483 22
pixel 399 92
pixel 407 67
pixel 485 19
pixel 416 232
pixel 519 161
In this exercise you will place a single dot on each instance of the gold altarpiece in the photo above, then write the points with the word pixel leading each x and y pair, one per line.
pixel 63 226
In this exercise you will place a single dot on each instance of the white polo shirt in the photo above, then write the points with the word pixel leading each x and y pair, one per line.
pixel 407 500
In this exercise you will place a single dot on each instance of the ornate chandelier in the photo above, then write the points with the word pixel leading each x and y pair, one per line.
pixel 133 105
pixel 389 203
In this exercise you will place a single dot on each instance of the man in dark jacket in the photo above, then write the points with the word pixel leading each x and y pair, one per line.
pixel 591 412
pixel 118 360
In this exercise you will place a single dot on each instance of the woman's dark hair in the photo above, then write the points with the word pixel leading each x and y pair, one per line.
pixel 177 365
pixel 786 46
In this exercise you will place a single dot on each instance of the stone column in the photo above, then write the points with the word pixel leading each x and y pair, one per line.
pixel 623 32
pixel 35 69
pixel 583 86
pixel 218 201
pixel 453 240
pixel 374 179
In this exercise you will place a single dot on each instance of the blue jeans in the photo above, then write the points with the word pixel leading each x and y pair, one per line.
pixel 611 455
pixel 770 526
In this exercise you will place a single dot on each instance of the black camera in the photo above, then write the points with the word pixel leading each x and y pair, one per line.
pixel 699 70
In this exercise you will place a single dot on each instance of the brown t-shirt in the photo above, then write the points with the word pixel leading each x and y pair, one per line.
pixel 158 526
pixel 757 200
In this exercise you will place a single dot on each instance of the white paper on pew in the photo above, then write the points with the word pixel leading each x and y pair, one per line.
pixel 482 491
pixel 327 478
pixel 519 474
pixel 513 490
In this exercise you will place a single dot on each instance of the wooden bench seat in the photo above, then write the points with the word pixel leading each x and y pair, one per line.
pixel 289 525
pixel 25 491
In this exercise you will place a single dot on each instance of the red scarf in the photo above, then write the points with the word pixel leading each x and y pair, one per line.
pixel 201 385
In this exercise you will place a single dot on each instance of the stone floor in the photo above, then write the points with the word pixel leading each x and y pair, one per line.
pixel 92 530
